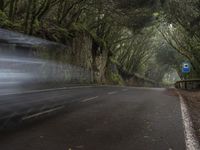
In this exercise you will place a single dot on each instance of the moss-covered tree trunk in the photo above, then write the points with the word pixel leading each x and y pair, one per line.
pixel 11 9
pixel 28 13
pixel 33 17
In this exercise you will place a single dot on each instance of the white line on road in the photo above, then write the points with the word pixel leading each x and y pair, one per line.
pixel 190 137
pixel 89 99
pixel 42 113
pixel 111 93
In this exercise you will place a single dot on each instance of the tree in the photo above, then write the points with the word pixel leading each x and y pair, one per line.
pixel 184 33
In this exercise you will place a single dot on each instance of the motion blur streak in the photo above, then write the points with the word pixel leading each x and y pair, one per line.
pixel 30 63
pixel 17 72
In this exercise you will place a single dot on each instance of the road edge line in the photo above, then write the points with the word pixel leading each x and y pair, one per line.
pixel 112 93
pixel 42 113
pixel 190 136
pixel 89 99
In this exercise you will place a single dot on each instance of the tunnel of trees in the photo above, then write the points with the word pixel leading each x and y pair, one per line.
pixel 115 38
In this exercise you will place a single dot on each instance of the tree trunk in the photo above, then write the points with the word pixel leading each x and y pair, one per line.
pixel 33 17
pixel 26 22
pixel 15 8
pixel 11 9
pixel 45 10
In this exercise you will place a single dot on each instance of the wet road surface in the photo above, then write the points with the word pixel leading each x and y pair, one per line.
pixel 93 118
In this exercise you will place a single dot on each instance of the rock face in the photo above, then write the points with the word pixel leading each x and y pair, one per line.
pixel 100 68
pixel 86 53
pixel 82 50
pixel 86 59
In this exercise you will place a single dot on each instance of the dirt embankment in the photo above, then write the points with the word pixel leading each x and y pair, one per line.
pixel 193 101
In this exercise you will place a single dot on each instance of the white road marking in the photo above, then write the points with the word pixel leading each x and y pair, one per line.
pixel 111 93
pixel 89 99
pixel 42 113
pixel 190 137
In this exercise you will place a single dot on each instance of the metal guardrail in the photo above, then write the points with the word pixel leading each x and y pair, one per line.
pixel 188 84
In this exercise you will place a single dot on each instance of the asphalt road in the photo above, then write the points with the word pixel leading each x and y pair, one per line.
pixel 92 118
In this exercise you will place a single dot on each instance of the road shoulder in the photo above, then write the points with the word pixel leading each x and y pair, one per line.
pixel 190 105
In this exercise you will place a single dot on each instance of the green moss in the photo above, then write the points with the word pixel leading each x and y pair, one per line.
pixel 36 25
pixel 65 33
pixel 116 79
pixel 76 27
pixel 114 61
pixel 59 34
pixel 4 21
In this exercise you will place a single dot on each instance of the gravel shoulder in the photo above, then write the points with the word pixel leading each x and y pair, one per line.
pixel 192 99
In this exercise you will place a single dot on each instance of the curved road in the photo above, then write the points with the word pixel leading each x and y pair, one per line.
pixel 92 118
